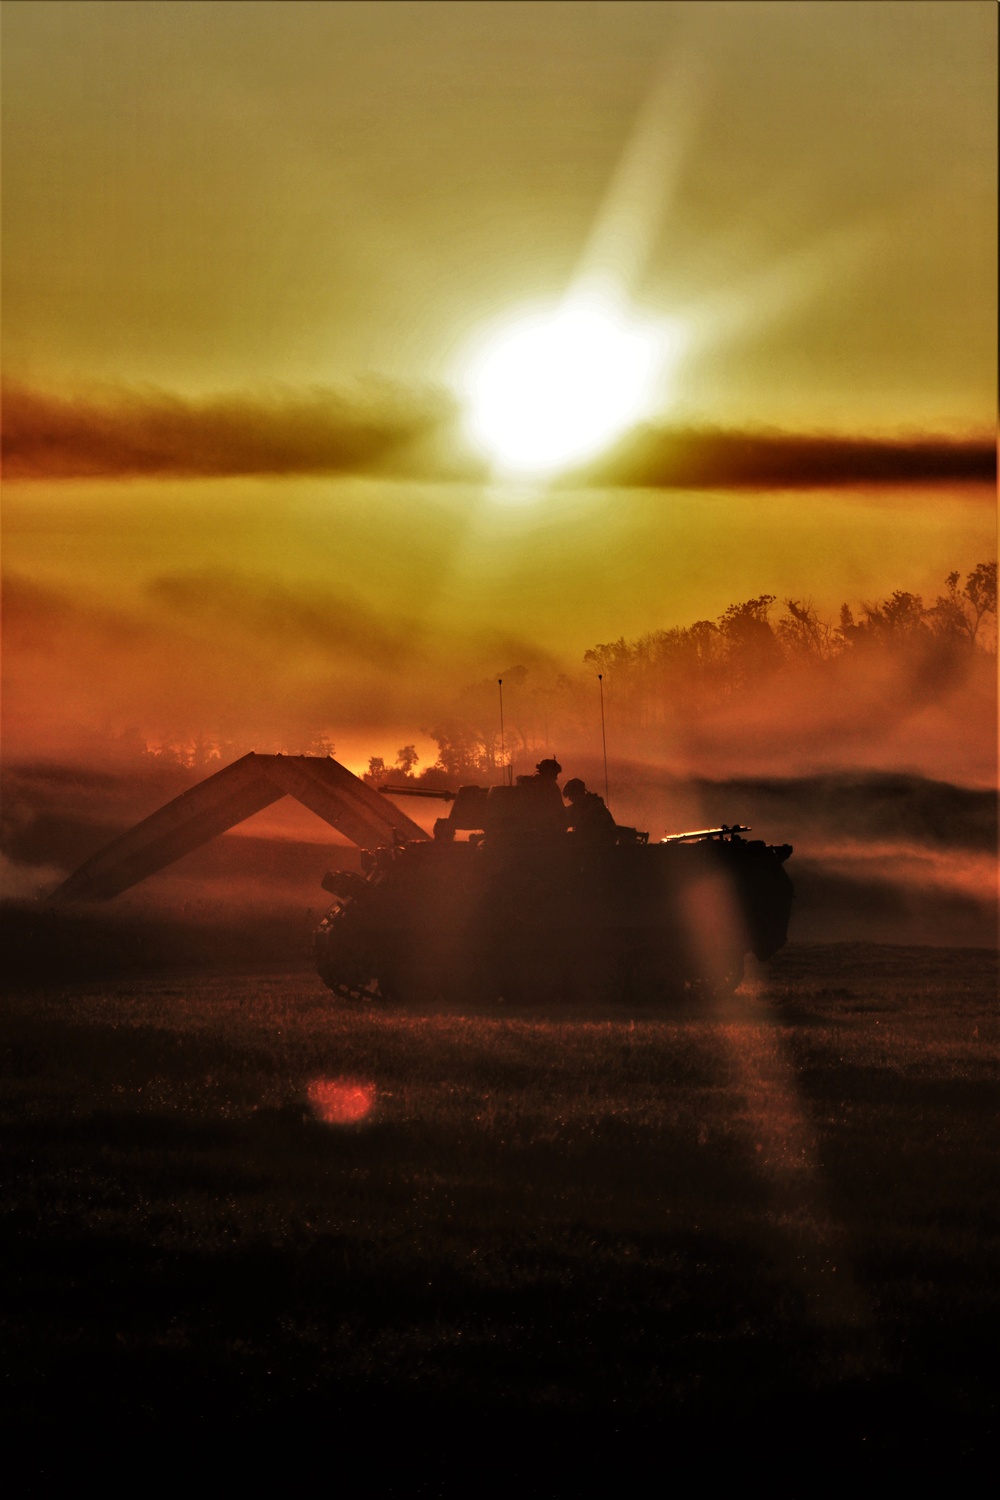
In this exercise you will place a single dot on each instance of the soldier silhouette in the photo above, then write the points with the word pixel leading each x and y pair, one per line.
pixel 545 795
pixel 588 815
pixel 547 770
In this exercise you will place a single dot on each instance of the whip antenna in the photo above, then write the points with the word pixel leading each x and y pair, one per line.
pixel 604 740
pixel 503 750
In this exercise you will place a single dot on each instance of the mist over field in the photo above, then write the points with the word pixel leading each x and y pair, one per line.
pixel 869 744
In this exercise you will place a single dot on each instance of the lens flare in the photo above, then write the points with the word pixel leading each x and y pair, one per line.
pixel 341 1101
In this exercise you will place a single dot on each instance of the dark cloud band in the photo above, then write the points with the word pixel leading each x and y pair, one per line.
pixel 390 431
pixel 155 434
pixel 657 457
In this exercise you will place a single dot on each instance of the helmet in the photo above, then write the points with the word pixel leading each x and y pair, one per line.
pixel 550 767
pixel 574 787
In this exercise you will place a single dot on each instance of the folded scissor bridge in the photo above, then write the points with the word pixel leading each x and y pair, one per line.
pixel 221 801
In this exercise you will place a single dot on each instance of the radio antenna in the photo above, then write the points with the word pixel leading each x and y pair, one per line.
pixel 604 740
pixel 503 750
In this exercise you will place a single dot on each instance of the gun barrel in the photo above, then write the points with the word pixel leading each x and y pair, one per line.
pixel 418 791
pixel 706 833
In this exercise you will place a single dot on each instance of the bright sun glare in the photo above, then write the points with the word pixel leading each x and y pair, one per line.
pixel 553 389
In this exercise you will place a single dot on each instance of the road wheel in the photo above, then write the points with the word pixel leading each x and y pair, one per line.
pixel 343 959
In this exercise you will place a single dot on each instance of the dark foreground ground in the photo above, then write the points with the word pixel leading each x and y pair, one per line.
pixel 555 1249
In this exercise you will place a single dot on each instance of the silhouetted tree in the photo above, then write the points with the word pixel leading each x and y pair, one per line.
pixel 802 634
pixel 406 759
pixel 751 645
pixel 376 770
pixel 963 612
pixel 320 744
pixel 981 592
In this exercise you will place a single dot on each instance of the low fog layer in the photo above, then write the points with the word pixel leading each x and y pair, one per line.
pixel 879 856
pixel 868 742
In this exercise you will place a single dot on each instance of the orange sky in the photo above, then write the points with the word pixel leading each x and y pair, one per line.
pixel 323 203
pixel 210 196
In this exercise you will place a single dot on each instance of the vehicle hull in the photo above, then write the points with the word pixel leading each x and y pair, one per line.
pixel 537 920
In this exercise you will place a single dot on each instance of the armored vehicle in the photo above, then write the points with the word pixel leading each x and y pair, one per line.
pixel 505 902
pixel 524 910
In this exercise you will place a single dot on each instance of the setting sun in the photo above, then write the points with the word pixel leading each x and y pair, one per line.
pixel 554 388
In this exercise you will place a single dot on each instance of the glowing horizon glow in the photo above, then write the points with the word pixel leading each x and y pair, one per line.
pixel 552 388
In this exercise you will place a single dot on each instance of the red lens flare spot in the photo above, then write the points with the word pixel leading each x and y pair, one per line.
pixel 341 1101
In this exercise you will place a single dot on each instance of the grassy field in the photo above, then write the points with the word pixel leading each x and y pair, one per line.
pixel 236 1215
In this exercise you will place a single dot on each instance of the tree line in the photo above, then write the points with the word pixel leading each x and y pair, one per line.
pixel 755 646
pixel 684 670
